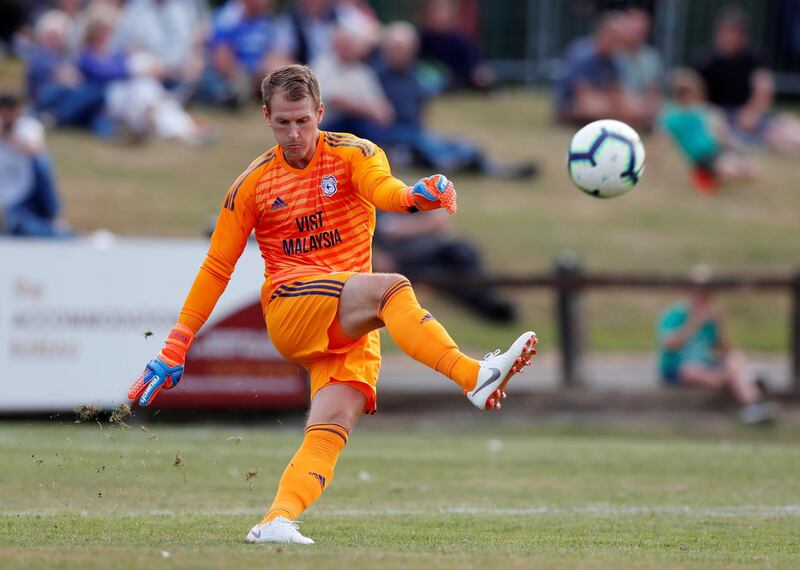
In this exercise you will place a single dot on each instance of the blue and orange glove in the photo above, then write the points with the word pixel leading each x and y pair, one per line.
pixel 431 193
pixel 166 369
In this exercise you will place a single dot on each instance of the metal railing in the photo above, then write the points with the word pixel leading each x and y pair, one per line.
pixel 525 39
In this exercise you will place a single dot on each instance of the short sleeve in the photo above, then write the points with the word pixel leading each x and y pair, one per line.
pixel 671 321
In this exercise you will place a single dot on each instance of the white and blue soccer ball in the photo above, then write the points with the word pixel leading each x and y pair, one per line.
pixel 606 158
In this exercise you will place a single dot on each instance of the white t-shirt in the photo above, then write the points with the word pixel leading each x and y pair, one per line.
pixel 356 82
pixel 167 30
pixel 16 168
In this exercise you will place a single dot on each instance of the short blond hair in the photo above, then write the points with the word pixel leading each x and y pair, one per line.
pixel 686 81
pixel 296 82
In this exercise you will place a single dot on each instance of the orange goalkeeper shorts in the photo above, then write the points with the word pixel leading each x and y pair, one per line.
pixel 302 324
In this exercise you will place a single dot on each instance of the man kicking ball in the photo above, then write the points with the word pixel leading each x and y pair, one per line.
pixel 311 201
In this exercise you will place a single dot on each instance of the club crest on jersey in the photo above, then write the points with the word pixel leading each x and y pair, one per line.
pixel 328 185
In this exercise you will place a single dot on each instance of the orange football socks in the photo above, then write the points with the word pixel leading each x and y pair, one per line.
pixel 422 337
pixel 309 472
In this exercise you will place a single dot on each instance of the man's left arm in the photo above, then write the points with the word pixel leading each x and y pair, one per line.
pixel 762 95
pixel 372 178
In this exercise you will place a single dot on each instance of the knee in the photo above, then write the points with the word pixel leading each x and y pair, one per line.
pixel 347 420
pixel 735 359
pixel 387 281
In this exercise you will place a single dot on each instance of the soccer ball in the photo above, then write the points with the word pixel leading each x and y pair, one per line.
pixel 606 158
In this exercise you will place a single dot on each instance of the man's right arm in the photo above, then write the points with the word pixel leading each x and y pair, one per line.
pixel 235 222
pixel 234 225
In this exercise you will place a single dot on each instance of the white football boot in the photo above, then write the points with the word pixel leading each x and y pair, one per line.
pixel 279 529
pixel 497 369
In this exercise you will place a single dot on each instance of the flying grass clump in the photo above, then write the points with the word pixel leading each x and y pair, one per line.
pixel 120 414
pixel 86 413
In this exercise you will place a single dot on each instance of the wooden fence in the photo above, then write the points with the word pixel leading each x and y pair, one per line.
pixel 568 282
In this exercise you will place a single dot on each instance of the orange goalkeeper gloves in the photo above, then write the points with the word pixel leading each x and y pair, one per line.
pixel 166 369
pixel 431 193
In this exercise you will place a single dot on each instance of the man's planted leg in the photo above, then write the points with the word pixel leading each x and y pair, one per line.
pixel 334 412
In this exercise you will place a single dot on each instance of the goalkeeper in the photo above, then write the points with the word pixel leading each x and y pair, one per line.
pixel 311 201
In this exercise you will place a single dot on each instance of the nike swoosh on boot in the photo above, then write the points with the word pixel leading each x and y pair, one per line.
pixel 495 376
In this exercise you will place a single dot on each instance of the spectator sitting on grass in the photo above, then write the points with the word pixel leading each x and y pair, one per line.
pixel 242 49
pixel 135 98
pixel 306 30
pixel 641 68
pixel 28 197
pixel 442 43
pixel 695 352
pixel 171 31
pixel 701 133
pixel 354 100
pixel 58 91
pixel 738 82
pixel 590 84
pixel 423 245
pixel 406 138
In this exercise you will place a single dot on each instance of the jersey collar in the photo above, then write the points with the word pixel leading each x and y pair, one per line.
pixel 310 166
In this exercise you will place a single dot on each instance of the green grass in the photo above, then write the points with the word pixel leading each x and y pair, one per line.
pixel 79 495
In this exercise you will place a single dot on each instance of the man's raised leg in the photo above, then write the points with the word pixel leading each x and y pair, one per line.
pixel 369 301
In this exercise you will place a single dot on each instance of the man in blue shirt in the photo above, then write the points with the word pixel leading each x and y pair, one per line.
pixel 407 135
pixel 694 351
pixel 242 49
pixel 590 84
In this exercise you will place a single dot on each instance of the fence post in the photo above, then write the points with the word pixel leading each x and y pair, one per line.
pixel 795 333
pixel 569 319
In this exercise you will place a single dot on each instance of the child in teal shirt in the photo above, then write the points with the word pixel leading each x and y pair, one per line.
pixel 698 131
pixel 693 351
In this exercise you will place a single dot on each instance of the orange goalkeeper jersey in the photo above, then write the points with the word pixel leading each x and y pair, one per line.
pixel 316 220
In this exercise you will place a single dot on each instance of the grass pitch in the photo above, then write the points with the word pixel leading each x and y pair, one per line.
pixel 468 495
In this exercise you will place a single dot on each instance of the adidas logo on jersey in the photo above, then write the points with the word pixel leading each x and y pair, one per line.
pixel 278 204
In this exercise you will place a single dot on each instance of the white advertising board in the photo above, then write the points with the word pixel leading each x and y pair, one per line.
pixel 74 314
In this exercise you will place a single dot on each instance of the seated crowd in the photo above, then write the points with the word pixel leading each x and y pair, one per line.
pixel 720 108
pixel 131 66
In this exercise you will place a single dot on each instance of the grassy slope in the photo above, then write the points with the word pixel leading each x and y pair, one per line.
pixel 94 491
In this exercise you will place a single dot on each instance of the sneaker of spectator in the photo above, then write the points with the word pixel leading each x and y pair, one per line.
pixel 739 82
pixel 135 98
pixel 28 195
pixel 354 100
pixel 241 51
pixel 423 245
pixel 54 84
pixel 701 133
pixel 443 44
pixel 171 31
pixel 589 86
pixel 407 136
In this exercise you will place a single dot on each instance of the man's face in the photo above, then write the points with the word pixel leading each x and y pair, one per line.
pixel 700 297
pixel 256 7
pixel 294 124
pixel 9 115
pixel 399 52
pixel 730 39
pixel 608 39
